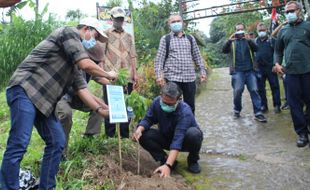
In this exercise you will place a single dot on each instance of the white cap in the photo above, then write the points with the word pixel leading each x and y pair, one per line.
pixel 118 12
pixel 94 23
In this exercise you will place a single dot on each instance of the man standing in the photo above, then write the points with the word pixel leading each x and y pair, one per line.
pixel 177 131
pixel 174 61
pixel 33 91
pixel 264 59
pixel 120 52
pixel 293 41
pixel 241 51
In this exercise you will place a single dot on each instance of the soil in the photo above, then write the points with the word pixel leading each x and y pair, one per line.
pixel 128 178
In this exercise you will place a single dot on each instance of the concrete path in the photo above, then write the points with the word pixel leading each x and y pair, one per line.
pixel 243 153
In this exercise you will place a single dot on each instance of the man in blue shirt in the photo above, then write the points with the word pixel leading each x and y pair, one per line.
pixel 177 131
pixel 241 51
pixel 264 59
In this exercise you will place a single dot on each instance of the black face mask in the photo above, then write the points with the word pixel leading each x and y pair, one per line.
pixel 118 23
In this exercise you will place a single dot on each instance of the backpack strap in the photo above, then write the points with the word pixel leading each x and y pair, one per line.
pixel 168 39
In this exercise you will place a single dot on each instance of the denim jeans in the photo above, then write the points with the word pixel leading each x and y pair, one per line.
pixel 248 78
pixel 24 116
pixel 155 143
pixel 298 95
pixel 274 85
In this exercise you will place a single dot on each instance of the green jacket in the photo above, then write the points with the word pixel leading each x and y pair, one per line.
pixel 293 41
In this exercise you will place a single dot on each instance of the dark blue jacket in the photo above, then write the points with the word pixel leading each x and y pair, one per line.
pixel 264 54
pixel 241 54
pixel 172 126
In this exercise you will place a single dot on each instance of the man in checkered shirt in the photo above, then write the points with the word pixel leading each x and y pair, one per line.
pixel 176 63
pixel 34 89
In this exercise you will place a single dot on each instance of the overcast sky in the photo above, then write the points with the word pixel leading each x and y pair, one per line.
pixel 61 7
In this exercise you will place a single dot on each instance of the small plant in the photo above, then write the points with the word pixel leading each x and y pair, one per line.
pixel 122 79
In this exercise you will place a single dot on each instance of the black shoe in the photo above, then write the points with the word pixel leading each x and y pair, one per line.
pixel 302 140
pixel 264 109
pixel 236 115
pixel 260 118
pixel 194 167
pixel 277 109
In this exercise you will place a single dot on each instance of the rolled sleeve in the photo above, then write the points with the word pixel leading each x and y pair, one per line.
pixel 72 45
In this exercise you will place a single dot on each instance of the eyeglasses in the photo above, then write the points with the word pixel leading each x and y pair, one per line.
pixel 290 11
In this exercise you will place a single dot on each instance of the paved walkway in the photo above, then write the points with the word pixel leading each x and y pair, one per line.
pixel 242 153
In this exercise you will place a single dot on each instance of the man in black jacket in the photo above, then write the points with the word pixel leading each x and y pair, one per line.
pixel 241 51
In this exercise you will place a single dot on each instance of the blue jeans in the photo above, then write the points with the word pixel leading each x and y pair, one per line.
pixel 274 85
pixel 298 95
pixel 24 116
pixel 248 78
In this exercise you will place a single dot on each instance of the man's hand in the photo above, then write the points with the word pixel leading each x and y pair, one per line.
pixel 160 82
pixel 137 134
pixel 164 171
pixel 278 69
pixel 203 78
pixel 103 112
pixel 112 75
pixel 232 37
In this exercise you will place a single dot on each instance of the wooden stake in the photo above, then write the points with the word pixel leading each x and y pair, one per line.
pixel 119 146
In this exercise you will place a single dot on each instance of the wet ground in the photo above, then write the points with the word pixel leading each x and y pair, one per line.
pixel 243 153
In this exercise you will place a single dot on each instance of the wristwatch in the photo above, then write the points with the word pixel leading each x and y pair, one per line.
pixel 98 108
pixel 169 166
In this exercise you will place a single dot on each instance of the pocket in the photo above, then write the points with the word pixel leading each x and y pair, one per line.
pixel 13 93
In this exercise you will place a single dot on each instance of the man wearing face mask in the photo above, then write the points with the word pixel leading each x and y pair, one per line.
pixel 177 131
pixel 174 61
pixel 293 42
pixel 70 101
pixel 120 53
pixel 33 91
pixel 264 60
pixel 241 58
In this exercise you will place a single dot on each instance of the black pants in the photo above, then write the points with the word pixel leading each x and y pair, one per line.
pixel 189 92
pixel 155 143
pixel 110 128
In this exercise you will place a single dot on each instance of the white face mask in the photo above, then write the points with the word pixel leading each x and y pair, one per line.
pixel 262 34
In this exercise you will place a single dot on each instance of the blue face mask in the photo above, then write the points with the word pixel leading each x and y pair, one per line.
pixel 291 17
pixel 167 108
pixel 88 44
pixel 176 27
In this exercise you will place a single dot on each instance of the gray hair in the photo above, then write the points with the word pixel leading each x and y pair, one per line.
pixel 172 90
pixel 173 15
pixel 298 5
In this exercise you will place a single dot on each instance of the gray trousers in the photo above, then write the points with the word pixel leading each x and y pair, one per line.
pixel 64 113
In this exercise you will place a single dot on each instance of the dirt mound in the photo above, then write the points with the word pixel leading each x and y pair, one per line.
pixel 109 171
